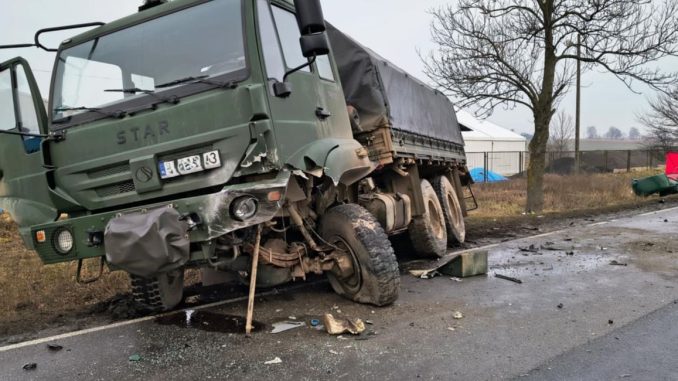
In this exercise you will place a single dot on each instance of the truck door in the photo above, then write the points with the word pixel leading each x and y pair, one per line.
pixel 302 118
pixel 23 183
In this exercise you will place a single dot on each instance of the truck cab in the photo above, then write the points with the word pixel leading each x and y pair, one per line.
pixel 203 134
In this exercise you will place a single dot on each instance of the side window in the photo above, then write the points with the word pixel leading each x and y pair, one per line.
pixel 29 115
pixel 325 68
pixel 275 66
pixel 7 117
pixel 288 30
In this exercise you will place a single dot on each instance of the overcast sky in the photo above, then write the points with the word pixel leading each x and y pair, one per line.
pixel 396 29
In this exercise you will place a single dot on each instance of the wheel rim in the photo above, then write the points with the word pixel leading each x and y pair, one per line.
pixel 436 220
pixel 351 284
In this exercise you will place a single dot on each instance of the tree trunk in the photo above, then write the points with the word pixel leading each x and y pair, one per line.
pixel 543 112
pixel 535 170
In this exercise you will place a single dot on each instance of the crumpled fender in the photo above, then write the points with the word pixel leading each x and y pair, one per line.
pixel 345 161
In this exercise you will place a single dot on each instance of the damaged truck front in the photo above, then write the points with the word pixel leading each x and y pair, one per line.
pixel 203 134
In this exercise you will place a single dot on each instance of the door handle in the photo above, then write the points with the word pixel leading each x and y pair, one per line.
pixel 322 113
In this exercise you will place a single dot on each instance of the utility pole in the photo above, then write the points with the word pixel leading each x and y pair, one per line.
pixel 578 112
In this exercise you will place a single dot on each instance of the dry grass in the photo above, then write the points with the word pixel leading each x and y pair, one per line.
pixel 30 291
pixel 561 194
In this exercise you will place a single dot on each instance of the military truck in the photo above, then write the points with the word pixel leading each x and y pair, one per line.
pixel 239 136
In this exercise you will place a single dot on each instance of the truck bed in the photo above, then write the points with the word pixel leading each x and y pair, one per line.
pixel 399 116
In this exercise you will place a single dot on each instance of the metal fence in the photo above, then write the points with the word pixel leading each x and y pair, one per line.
pixel 564 163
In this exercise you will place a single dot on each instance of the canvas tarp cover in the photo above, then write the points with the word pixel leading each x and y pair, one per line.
pixel 384 94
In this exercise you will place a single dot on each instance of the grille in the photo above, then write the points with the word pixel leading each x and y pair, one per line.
pixel 122 168
pixel 112 190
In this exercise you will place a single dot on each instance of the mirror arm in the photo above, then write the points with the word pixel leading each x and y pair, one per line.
pixel 25 134
pixel 296 69
pixel 17 46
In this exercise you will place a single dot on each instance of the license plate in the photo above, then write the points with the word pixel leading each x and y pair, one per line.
pixel 190 164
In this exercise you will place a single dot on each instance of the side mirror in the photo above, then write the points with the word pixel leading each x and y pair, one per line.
pixel 310 16
pixel 313 45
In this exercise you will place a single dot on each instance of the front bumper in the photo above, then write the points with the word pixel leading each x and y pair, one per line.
pixel 213 211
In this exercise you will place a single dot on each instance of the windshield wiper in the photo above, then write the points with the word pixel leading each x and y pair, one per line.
pixel 114 114
pixel 172 100
pixel 199 79
pixel 180 81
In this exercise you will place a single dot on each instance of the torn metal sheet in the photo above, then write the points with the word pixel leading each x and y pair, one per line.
pixel 336 326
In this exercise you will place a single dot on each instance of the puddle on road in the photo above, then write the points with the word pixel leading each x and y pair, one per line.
pixel 208 321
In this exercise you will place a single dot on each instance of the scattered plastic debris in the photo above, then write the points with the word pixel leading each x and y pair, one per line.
pixel 511 279
pixel 451 329
pixel 456 279
pixel 335 326
pixel 425 274
pixel 276 360
pixel 610 322
pixel 286 326
pixel 457 315
pixel 54 347
pixel 135 358
pixel 334 352
pixel 315 322
pixel 30 366
pixel 617 263
pixel 560 306
pixel 292 317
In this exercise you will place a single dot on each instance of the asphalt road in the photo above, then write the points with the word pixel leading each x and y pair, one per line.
pixel 575 316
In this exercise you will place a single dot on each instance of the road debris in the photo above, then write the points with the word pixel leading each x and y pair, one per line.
pixel 135 358
pixel 617 263
pixel 286 326
pixel 54 347
pixel 530 249
pixel 425 274
pixel 451 329
pixel 458 280
pixel 560 306
pixel 30 366
pixel 511 279
pixel 335 326
pixel 315 322
pixel 610 322
pixel 276 360
pixel 457 315
pixel 332 351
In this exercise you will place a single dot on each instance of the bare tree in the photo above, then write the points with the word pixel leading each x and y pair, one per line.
pixel 523 53
pixel 562 133
pixel 613 133
pixel 662 122
pixel 592 132
pixel 634 133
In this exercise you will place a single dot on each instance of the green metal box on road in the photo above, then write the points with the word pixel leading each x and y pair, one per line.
pixel 654 184
pixel 467 265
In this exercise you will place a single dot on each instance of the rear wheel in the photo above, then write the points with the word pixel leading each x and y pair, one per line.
pixel 454 217
pixel 428 232
pixel 370 273
pixel 160 293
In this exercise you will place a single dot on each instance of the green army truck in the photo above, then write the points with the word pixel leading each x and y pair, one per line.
pixel 203 134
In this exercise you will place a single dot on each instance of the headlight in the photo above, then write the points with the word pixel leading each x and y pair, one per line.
pixel 244 208
pixel 63 241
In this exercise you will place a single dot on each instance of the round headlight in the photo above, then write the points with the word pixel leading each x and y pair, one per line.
pixel 244 208
pixel 63 241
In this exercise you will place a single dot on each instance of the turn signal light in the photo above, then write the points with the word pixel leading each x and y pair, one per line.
pixel 40 236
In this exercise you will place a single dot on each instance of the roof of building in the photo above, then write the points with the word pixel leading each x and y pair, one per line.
pixel 476 129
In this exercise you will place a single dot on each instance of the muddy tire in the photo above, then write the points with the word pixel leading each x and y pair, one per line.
pixel 375 278
pixel 428 233
pixel 454 217
pixel 160 293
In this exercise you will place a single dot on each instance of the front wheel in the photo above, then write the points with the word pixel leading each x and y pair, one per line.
pixel 372 275
pixel 159 293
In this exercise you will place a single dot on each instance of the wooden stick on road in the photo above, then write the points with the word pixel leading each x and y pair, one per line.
pixel 253 283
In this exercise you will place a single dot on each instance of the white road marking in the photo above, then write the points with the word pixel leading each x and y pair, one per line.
pixel 243 298
pixel 139 320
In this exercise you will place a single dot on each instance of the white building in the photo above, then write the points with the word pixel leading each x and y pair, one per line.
pixel 504 148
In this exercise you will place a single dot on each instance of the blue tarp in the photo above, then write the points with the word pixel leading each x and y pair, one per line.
pixel 478 175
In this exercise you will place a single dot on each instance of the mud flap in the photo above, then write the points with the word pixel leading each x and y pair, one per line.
pixel 146 244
